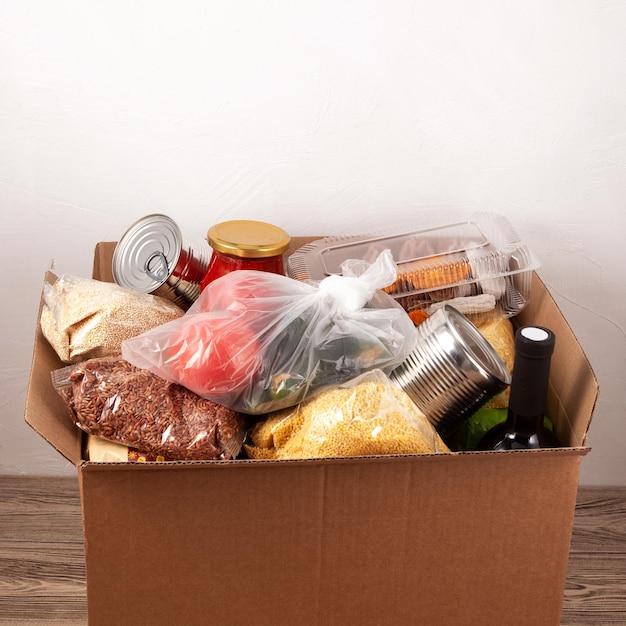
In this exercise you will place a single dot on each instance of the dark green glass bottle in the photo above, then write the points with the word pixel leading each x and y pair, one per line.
pixel 524 426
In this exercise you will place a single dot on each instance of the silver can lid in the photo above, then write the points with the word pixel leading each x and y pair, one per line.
pixel 147 253
pixel 452 371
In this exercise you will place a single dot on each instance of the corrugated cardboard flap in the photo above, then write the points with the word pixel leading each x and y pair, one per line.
pixel 341 541
pixel 45 411
pixel 429 539
pixel 572 409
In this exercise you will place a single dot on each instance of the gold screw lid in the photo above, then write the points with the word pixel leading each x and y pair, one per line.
pixel 248 238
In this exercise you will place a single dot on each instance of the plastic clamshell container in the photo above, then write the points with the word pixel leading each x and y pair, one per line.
pixel 440 257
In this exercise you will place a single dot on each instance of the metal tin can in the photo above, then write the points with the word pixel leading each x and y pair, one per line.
pixel 154 256
pixel 452 371
pixel 245 244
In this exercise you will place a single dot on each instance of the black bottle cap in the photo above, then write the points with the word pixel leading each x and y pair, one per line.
pixel 534 342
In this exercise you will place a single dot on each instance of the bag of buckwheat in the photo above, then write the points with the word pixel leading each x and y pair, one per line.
pixel 112 399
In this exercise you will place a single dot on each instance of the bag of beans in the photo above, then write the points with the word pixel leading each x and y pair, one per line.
pixel 112 399
pixel 365 416
pixel 84 318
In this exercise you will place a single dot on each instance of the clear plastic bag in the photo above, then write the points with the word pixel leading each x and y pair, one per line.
pixel 258 342
pixel 112 399
pixel 364 416
pixel 84 318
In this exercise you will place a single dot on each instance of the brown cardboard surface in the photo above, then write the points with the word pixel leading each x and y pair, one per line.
pixel 45 410
pixel 471 538
pixel 377 541
pixel 573 384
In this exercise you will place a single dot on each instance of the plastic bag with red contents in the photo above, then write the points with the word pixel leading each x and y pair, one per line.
pixel 257 342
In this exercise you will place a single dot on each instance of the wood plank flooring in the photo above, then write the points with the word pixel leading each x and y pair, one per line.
pixel 596 582
pixel 42 571
pixel 42 568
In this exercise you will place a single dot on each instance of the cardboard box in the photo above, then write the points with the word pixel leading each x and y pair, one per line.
pixel 466 538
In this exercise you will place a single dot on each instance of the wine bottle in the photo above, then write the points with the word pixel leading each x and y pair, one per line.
pixel 524 426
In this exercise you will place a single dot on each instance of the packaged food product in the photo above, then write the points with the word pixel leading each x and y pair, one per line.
pixel 364 416
pixel 495 327
pixel 440 257
pixel 112 399
pixel 258 341
pixel 452 371
pixel 155 256
pixel 84 318
pixel 498 330
pixel 98 450
pixel 245 245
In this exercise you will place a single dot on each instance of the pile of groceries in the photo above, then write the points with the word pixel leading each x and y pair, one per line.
pixel 229 347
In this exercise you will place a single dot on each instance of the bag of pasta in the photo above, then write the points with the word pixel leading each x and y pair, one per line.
pixel 365 416
pixel 258 342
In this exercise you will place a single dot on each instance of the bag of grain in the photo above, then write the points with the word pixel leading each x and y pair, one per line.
pixel 365 416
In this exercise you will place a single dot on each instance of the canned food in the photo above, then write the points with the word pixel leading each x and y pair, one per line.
pixel 452 371
pixel 245 244
pixel 154 256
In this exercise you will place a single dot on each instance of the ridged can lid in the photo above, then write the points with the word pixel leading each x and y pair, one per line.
pixel 248 238
pixel 147 252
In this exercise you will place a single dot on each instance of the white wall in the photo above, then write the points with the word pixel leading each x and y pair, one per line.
pixel 320 117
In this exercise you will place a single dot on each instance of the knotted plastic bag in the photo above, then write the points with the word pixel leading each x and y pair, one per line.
pixel 258 342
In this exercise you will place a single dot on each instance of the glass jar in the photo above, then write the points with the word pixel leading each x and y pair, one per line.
pixel 245 245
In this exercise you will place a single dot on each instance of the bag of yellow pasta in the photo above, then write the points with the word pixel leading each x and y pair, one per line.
pixel 367 415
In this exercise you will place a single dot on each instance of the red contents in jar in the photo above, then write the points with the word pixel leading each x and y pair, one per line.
pixel 245 245
pixel 221 264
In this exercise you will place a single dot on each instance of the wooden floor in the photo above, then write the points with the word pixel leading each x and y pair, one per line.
pixel 42 572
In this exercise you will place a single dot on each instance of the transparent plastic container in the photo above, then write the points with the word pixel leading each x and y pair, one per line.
pixel 475 264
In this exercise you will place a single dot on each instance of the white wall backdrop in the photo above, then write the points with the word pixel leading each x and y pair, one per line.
pixel 320 117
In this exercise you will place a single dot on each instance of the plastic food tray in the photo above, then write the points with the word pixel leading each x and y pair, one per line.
pixel 441 258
